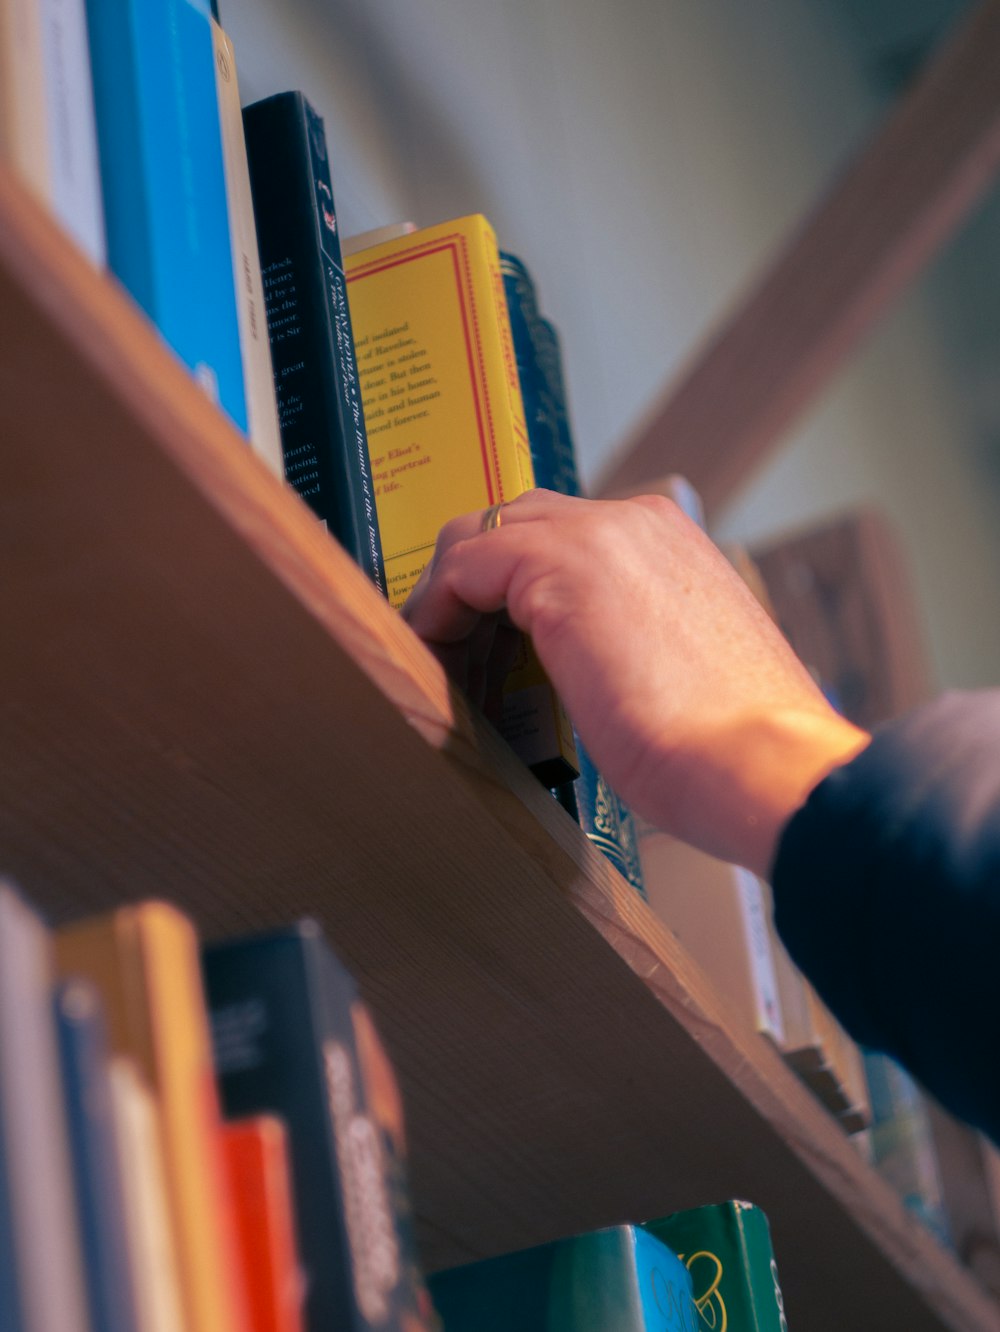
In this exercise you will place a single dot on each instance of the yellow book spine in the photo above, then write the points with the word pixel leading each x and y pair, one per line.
pixel 145 961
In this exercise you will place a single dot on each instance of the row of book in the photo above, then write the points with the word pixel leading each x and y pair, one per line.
pixel 210 1138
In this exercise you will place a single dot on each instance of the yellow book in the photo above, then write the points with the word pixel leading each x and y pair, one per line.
pixel 446 428
pixel 144 960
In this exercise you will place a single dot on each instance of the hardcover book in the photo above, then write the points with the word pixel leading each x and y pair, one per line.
pixel 727 1250
pixel 164 184
pixel 320 409
pixel 617 1280
pixel 293 1039
pixel 144 961
pixel 446 420
pixel 24 136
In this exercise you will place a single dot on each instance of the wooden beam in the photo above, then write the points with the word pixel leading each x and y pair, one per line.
pixel 882 221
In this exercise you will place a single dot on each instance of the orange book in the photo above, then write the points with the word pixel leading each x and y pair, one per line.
pixel 260 1177
pixel 144 960
pixel 446 428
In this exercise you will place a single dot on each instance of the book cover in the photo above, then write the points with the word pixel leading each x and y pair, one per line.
pixel 97 1176
pixel 24 135
pixel 255 346
pixel 163 181
pixel 292 1038
pixel 726 1248
pixel 44 1274
pixel 144 962
pixel 75 175
pixel 320 410
pixel 446 422
pixel 621 1279
pixel 257 1156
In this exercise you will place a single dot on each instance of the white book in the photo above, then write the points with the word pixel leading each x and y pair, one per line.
pixel 255 346
pixel 33 1131
pixel 74 167
pixel 152 1256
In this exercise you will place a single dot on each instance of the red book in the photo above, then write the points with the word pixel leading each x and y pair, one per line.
pixel 256 1151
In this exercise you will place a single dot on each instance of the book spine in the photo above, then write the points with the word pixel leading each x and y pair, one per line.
pixel 72 131
pixel 163 182
pixel 258 371
pixel 320 412
pixel 94 1151
pixel 23 119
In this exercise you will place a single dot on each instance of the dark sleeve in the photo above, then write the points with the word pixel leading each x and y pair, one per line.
pixel 887 896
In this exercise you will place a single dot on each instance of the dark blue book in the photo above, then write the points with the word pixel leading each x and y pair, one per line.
pixel 617 1280
pixel 83 1049
pixel 11 1319
pixel 589 799
pixel 163 181
pixel 323 436
pixel 292 1037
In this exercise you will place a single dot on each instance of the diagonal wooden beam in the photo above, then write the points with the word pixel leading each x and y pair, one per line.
pixel 884 218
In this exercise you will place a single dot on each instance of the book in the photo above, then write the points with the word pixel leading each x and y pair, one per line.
pixel 44 1273
pixel 24 133
pixel 719 913
pixel 144 961
pixel 446 420
pixel 257 1156
pixel 149 1233
pixel 621 1279
pixel 293 1038
pixel 255 346
pixel 320 410
pixel 74 169
pixel 598 809
pixel 727 1250
pixel 164 184
pixel 99 1189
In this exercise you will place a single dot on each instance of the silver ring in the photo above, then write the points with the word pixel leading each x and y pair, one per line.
pixel 491 517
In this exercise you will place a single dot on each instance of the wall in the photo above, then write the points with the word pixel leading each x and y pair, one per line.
pixel 644 158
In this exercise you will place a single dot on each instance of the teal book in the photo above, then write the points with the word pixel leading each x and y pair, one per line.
pixel 163 181
pixel 600 812
pixel 620 1279
pixel 726 1248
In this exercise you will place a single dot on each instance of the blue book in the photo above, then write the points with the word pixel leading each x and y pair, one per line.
pixel 602 815
pixel 163 179
pixel 292 1037
pixel 616 1280
pixel 94 1154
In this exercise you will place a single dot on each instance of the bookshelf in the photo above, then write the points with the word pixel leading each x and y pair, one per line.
pixel 201 697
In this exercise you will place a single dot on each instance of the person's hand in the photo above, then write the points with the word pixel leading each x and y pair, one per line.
pixel 688 698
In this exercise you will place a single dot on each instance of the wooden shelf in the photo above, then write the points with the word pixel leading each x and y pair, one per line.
pixel 201 698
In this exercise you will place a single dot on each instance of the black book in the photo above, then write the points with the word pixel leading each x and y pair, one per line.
pixel 323 435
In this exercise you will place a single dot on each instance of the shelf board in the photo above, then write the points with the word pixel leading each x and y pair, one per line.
pixel 201 698
pixel 881 223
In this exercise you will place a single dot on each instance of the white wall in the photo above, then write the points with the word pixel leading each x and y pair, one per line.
pixel 644 158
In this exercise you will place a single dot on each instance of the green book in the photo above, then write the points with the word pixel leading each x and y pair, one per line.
pixel 727 1251
pixel 617 1280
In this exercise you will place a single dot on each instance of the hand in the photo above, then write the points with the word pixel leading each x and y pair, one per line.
pixel 687 696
